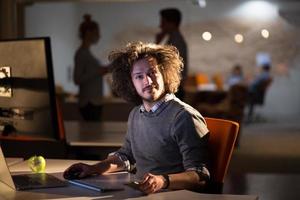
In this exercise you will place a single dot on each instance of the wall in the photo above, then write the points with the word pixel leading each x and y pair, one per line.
pixel 57 20
pixel 130 21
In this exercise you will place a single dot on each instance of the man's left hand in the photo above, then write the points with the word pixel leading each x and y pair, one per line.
pixel 152 183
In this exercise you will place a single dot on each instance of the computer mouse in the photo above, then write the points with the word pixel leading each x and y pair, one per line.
pixel 72 174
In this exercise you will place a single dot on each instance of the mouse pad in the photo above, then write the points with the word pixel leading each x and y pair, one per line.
pixel 102 183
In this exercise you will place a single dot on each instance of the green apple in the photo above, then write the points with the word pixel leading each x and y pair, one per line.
pixel 37 164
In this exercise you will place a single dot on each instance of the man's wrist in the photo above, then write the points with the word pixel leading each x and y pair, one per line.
pixel 166 179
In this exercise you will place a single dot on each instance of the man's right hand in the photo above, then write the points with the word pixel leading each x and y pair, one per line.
pixel 159 37
pixel 79 170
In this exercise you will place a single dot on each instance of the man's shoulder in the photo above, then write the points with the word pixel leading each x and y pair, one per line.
pixel 183 108
pixel 177 39
pixel 188 113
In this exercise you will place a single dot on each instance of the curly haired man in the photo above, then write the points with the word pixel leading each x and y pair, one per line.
pixel 166 140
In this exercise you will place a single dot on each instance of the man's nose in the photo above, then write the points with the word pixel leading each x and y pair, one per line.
pixel 148 80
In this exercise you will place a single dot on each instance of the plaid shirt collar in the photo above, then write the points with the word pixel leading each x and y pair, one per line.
pixel 155 107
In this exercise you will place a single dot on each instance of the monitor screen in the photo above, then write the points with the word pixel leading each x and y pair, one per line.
pixel 27 95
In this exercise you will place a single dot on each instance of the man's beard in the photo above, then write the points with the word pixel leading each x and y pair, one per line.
pixel 153 98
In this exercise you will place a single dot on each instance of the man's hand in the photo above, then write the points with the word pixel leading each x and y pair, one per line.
pixel 79 170
pixel 152 183
pixel 159 37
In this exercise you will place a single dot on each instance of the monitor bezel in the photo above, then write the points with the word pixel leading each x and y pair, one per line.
pixel 50 78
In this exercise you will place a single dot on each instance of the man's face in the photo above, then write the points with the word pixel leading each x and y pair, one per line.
pixel 147 80
pixel 165 26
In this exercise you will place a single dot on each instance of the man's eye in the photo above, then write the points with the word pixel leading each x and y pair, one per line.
pixel 139 77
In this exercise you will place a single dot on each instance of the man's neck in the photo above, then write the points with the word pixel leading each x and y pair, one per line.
pixel 149 104
pixel 173 29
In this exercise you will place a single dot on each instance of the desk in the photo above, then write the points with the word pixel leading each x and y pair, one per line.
pixel 95 134
pixel 13 161
pixel 73 192
pixel 184 194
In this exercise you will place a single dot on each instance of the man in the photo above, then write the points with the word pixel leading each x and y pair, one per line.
pixel 170 19
pixel 166 139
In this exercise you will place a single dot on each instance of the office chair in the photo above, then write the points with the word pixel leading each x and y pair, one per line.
pixel 231 106
pixel 257 97
pixel 223 134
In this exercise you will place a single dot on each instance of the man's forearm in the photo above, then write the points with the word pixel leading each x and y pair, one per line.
pixel 185 180
pixel 110 164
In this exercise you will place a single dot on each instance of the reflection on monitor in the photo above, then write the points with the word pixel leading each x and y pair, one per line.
pixel 27 96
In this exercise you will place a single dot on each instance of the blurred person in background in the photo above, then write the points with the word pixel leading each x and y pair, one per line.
pixel 257 89
pixel 88 71
pixel 236 76
pixel 170 19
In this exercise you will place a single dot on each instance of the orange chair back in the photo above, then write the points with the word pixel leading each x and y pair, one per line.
pixel 218 80
pixel 223 134
pixel 202 78
pixel 60 119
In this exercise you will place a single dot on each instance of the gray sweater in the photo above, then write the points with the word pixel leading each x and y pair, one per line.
pixel 172 139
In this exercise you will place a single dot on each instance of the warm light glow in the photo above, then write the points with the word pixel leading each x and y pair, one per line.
pixel 238 38
pixel 206 36
pixel 265 33
pixel 202 3
pixel 257 10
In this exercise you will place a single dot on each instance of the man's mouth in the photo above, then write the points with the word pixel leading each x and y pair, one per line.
pixel 148 89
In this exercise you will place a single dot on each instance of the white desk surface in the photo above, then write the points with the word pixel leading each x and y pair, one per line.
pixel 52 165
pixel 56 167
pixel 101 134
pixel 12 161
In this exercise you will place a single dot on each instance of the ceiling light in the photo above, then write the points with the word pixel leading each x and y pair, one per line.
pixel 238 38
pixel 202 3
pixel 265 33
pixel 206 36
pixel 257 10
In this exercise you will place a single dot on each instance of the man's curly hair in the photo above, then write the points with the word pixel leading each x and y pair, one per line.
pixel 168 60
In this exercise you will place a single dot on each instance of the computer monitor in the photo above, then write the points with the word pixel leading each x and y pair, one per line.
pixel 27 92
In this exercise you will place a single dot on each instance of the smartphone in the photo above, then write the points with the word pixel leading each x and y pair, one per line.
pixel 134 184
